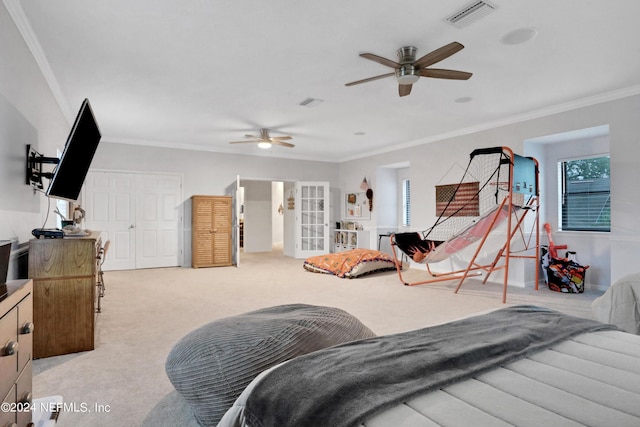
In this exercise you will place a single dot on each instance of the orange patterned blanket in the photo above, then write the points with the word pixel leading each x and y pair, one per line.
pixel 350 264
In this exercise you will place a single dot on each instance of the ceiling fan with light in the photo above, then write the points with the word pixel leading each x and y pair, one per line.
pixel 265 141
pixel 408 70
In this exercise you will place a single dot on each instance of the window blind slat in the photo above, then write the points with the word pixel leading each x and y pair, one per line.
pixel 406 202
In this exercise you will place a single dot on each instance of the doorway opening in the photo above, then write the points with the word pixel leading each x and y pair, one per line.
pixel 263 216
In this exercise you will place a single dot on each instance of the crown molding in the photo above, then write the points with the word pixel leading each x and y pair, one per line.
pixel 197 147
pixel 26 31
pixel 536 114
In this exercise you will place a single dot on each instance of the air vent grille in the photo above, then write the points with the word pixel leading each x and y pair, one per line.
pixel 310 102
pixel 470 13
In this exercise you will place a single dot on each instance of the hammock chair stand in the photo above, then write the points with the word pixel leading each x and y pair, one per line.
pixel 481 227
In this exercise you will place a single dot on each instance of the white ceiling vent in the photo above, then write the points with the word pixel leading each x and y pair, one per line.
pixel 310 102
pixel 470 13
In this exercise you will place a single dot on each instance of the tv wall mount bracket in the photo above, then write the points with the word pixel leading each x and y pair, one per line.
pixel 34 173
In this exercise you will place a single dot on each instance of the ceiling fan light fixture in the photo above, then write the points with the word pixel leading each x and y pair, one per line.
pixel 264 145
pixel 407 75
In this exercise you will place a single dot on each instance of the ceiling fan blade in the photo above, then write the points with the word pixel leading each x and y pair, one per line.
pixel 380 60
pixel 445 74
pixel 244 142
pixel 370 79
pixel 283 144
pixel 280 138
pixel 251 136
pixel 404 90
pixel 438 55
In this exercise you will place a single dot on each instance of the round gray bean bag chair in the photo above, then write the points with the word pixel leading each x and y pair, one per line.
pixel 211 365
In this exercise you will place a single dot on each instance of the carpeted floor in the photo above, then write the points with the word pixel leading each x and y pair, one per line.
pixel 123 383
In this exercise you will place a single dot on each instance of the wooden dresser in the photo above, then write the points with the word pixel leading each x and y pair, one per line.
pixel 16 337
pixel 211 231
pixel 64 293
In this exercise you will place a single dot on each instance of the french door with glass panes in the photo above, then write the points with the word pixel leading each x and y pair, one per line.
pixel 312 219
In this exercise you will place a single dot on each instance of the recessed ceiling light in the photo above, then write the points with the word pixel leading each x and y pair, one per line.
pixel 463 99
pixel 519 36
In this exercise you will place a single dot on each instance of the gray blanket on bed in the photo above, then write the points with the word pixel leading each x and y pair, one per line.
pixel 343 385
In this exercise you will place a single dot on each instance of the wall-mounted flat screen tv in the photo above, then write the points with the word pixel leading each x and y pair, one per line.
pixel 76 157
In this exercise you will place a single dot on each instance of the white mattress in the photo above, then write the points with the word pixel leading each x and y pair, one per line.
pixel 592 379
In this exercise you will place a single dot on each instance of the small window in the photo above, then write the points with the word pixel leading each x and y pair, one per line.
pixel 406 202
pixel 585 199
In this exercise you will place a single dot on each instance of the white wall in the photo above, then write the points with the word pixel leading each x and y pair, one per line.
pixel 257 216
pixel 386 196
pixel 277 218
pixel 28 115
pixel 210 173
pixel 625 174
pixel 289 232
pixel 591 247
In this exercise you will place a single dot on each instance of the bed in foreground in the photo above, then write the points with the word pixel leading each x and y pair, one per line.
pixel 520 365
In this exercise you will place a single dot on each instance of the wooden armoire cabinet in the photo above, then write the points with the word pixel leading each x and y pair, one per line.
pixel 211 231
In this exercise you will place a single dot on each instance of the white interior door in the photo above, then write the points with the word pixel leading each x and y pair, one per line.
pixel 109 202
pixel 158 216
pixel 312 218
pixel 141 215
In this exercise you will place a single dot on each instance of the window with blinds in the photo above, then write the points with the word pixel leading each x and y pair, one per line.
pixel 406 202
pixel 585 198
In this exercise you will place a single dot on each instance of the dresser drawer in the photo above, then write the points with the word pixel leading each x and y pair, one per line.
pixel 8 344
pixel 24 395
pixel 15 352
pixel 8 417
pixel 25 331
pixel 55 258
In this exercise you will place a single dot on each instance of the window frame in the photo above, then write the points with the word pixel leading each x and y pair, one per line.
pixel 406 202
pixel 564 212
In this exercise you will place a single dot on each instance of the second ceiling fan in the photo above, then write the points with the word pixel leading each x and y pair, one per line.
pixel 408 70
pixel 265 141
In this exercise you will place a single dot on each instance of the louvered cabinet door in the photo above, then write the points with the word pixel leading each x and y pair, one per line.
pixel 211 231
pixel 222 231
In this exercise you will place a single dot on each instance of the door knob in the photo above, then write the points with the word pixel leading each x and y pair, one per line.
pixel 132 226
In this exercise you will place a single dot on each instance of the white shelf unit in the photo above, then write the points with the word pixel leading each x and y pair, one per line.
pixel 344 240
